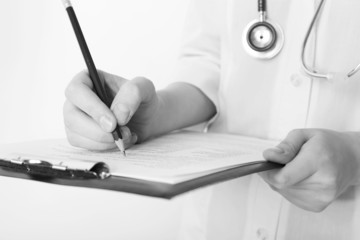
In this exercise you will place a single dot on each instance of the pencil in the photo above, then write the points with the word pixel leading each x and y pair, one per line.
pixel 99 83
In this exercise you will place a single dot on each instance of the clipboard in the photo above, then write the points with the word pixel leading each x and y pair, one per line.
pixel 99 177
pixel 100 173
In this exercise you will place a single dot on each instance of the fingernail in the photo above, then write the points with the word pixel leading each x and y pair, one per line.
pixel 123 114
pixel 106 124
pixel 277 150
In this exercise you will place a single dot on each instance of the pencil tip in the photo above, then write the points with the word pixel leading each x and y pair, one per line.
pixel 120 144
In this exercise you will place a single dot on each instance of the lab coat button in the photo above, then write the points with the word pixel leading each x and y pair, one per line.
pixel 296 80
pixel 262 234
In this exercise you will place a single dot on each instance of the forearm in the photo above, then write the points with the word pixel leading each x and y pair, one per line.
pixel 181 105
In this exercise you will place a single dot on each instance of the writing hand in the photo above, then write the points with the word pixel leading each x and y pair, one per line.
pixel 89 122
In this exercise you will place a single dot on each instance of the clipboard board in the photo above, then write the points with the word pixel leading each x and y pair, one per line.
pixel 99 178
pixel 101 173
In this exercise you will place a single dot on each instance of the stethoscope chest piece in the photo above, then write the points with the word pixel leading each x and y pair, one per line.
pixel 263 39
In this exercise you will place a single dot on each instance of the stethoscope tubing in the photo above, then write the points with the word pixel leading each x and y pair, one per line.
pixel 275 47
pixel 306 68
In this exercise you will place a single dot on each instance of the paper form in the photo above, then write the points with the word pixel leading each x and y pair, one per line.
pixel 170 158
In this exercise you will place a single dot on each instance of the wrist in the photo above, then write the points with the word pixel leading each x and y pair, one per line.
pixel 180 105
pixel 158 123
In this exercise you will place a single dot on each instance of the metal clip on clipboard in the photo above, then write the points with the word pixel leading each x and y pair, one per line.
pixel 41 168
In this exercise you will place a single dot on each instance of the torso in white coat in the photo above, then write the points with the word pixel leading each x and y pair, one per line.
pixel 267 99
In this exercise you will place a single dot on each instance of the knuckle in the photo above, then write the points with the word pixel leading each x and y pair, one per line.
pixel 325 144
pixel 94 112
pixel 80 78
pixel 139 79
pixel 295 132
pixel 289 145
pixel 322 138
pixel 148 83
pixel 145 83
pixel 131 87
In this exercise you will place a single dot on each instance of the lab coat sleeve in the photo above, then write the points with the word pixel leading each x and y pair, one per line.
pixel 199 58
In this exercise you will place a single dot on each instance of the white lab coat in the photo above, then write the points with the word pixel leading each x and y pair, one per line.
pixel 266 99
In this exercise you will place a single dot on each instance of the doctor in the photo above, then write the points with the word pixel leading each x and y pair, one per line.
pixel 259 69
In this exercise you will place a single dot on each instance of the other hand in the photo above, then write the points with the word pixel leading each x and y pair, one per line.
pixel 320 166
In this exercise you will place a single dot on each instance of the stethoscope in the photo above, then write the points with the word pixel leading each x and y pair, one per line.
pixel 264 39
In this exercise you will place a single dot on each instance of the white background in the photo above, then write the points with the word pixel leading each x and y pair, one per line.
pixel 38 57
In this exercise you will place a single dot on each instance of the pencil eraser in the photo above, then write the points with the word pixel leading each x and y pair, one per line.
pixel 66 3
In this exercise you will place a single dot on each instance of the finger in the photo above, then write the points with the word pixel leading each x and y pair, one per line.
pixel 81 124
pixel 78 122
pixel 287 149
pixel 307 197
pixel 127 136
pixel 134 138
pixel 299 169
pixel 82 142
pixel 302 199
pixel 113 82
pixel 79 92
pixel 130 96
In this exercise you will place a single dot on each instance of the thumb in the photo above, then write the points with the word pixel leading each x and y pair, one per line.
pixel 287 149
